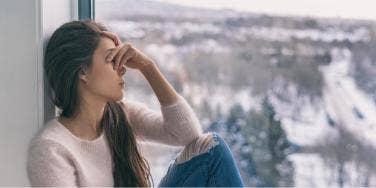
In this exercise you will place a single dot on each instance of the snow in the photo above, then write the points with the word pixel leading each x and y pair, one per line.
pixel 178 30
pixel 304 126
pixel 310 170
pixel 308 125
pixel 342 96
pixel 285 34
pixel 305 122
pixel 206 45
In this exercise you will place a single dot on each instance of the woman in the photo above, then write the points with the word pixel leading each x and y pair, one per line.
pixel 93 140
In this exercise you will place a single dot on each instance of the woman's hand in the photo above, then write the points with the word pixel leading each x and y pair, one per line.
pixel 126 54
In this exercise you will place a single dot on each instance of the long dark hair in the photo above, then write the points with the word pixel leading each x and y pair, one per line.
pixel 69 51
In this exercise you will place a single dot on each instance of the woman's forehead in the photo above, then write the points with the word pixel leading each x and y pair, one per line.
pixel 106 43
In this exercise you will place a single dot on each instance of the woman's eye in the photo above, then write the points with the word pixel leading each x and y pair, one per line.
pixel 112 61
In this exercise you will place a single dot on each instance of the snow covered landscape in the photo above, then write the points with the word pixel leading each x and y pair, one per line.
pixel 295 97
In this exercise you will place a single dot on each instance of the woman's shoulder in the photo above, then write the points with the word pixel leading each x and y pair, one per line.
pixel 42 148
pixel 43 145
pixel 48 135
pixel 47 129
pixel 46 156
pixel 47 143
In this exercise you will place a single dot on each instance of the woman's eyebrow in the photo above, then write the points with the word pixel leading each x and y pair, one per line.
pixel 110 49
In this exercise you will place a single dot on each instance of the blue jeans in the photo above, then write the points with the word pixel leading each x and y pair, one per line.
pixel 215 167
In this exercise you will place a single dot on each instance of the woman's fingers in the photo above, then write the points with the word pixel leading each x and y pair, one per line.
pixel 123 53
pixel 120 55
pixel 113 53
pixel 129 54
pixel 123 69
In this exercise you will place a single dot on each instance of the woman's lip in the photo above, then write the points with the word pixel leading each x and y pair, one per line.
pixel 121 83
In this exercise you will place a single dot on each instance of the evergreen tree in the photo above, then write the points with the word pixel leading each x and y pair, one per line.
pixel 230 128
pixel 259 144
pixel 271 147
pixel 206 110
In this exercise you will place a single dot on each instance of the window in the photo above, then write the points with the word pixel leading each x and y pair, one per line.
pixel 294 96
pixel 86 9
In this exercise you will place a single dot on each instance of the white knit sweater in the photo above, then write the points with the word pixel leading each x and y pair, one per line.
pixel 56 157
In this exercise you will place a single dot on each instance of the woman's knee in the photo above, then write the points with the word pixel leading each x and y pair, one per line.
pixel 198 146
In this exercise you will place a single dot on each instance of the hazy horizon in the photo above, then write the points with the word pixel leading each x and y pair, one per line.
pixel 351 9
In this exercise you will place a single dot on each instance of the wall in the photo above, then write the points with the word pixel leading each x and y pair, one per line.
pixel 24 27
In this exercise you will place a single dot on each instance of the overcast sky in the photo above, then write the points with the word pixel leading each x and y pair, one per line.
pixel 358 9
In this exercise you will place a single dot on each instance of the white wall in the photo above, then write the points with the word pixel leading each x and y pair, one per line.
pixel 24 26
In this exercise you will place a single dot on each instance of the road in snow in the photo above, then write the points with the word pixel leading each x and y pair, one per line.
pixel 345 103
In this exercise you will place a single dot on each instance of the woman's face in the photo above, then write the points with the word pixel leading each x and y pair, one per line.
pixel 101 79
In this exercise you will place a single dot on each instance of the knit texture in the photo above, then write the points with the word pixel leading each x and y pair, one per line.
pixel 56 157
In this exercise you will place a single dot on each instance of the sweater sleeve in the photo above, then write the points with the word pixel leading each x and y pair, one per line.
pixel 48 165
pixel 175 125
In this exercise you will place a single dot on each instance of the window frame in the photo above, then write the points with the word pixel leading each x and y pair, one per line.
pixel 86 9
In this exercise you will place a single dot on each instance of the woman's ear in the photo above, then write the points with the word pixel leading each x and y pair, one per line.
pixel 83 75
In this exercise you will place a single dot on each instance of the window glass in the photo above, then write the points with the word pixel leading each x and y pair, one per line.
pixel 294 96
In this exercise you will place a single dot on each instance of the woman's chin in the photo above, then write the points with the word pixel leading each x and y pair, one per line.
pixel 119 97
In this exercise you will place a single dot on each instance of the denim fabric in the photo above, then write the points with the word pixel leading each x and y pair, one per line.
pixel 215 167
